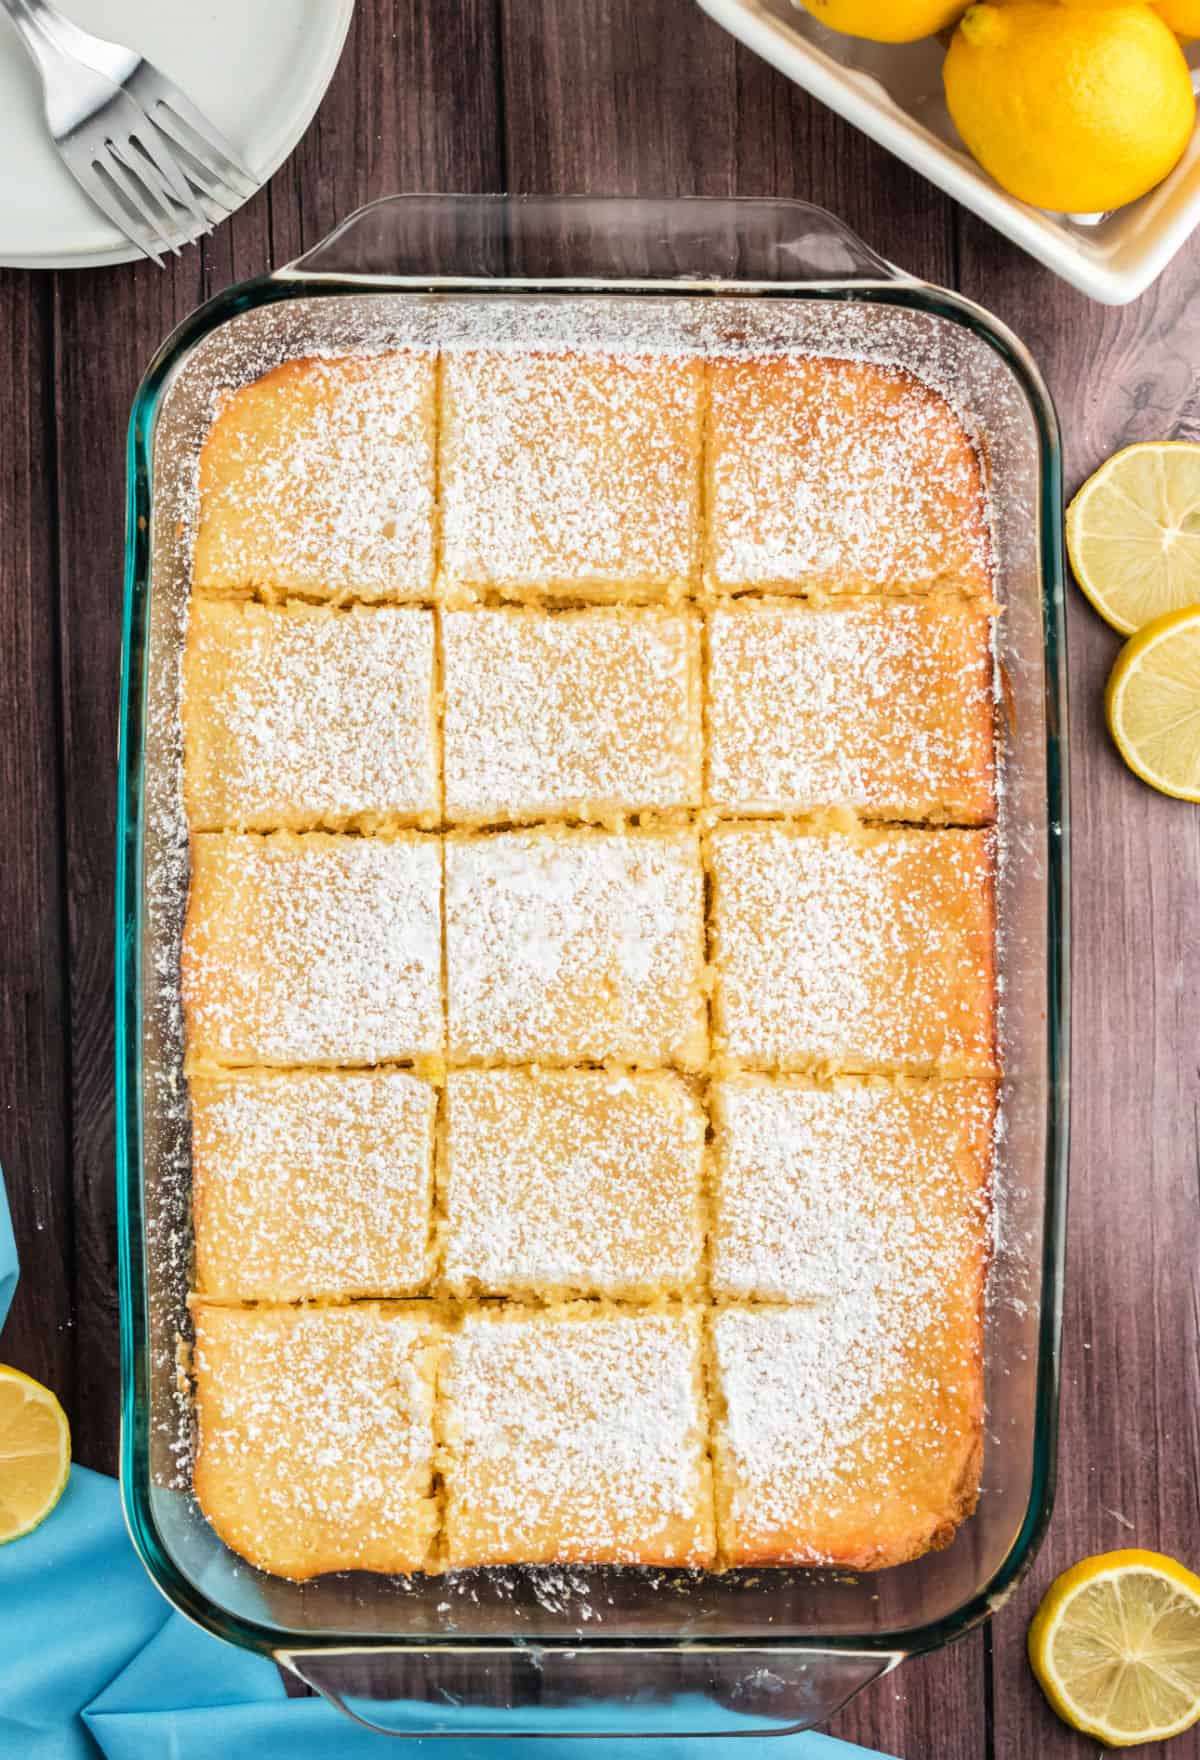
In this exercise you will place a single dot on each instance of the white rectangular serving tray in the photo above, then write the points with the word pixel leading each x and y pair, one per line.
pixel 893 92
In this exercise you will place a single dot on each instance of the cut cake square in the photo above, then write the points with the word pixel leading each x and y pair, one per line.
pixel 315 1434
pixel 313 949
pixel 299 717
pixel 317 481
pixel 312 1184
pixel 572 1182
pixel 576 1435
pixel 854 953
pixel 578 946
pixel 573 473
pixel 586 714
pixel 849 1433
pixel 819 1190
pixel 882 707
pixel 840 476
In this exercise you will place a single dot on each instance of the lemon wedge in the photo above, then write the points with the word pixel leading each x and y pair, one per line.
pixel 35 1453
pixel 1133 533
pixel 1153 703
pixel 1115 1646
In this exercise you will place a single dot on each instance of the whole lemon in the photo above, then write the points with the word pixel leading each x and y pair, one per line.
pixel 1183 16
pixel 886 21
pixel 1077 109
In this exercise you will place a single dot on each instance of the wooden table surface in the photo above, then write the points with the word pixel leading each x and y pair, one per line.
pixel 623 97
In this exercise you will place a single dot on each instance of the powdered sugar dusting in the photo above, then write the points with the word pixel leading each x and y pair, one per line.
pixel 862 1186
pixel 316 1445
pixel 582 1182
pixel 312 1184
pixel 575 947
pixel 580 1434
pixel 302 717
pixel 572 471
pixel 313 949
pixel 862 953
pixel 850 1429
pixel 318 479
pixel 882 708
pixel 585 714
pixel 840 476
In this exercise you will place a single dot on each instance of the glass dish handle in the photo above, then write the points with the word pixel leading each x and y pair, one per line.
pixel 531 1692
pixel 580 240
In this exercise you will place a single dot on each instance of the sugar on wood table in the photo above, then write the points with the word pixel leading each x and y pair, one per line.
pixel 625 97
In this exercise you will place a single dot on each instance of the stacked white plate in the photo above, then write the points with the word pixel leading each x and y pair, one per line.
pixel 257 68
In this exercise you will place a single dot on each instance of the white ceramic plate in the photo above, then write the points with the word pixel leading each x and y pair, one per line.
pixel 893 92
pixel 257 68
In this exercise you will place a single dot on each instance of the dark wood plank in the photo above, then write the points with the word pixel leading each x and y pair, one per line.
pixel 34 1054
pixel 413 106
pixel 107 324
pixel 1129 1455
pixel 649 97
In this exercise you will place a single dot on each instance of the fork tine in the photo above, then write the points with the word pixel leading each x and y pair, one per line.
pixel 156 148
pixel 137 192
pixel 203 175
pixel 83 168
pixel 211 197
pixel 174 107
pixel 203 178
pixel 141 170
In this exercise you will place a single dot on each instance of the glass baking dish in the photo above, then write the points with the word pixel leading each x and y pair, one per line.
pixel 597 1651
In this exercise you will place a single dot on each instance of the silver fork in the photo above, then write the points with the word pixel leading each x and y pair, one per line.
pixel 144 155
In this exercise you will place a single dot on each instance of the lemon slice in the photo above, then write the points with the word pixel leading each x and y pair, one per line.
pixel 1115 1646
pixel 1133 533
pixel 1153 703
pixel 35 1453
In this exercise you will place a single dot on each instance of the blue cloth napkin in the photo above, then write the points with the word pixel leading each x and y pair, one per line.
pixel 8 1256
pixel 93 1662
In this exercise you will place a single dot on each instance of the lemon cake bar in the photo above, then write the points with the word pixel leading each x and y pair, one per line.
pixel 866 1182
pixel 884 708
pixel 313 949
pixel 849 1432
pixel 857 953
pixel 572 473
pixel 572 1182
pixel 588 969
pixel 300 717
pixel 579 714
pixel 315 1443
pixel 312 1184
pixel 839 476
pixel 317 481
pixel 576 947
pixel 576 1434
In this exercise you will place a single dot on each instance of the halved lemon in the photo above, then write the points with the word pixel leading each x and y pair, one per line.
pixel 1133 533
pixel 1115 1646
pixel 1153 703
pixel 35 1453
